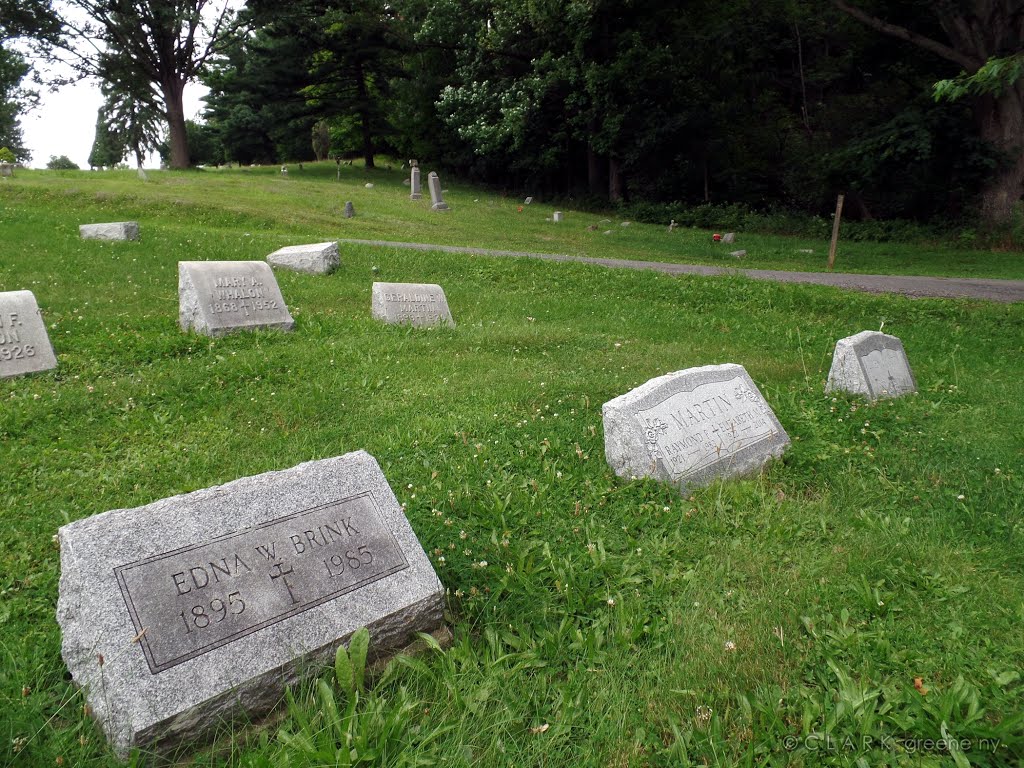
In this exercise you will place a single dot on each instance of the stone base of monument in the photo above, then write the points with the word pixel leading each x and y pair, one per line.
pixel 690 427
pixel 871 364
pixel 314 259
pixel 182 615
pixel 113 230
pixel 220 297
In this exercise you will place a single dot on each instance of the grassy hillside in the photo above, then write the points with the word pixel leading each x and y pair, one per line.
pixel 862 596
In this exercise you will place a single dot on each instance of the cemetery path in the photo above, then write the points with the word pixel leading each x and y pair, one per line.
pixel 1007 291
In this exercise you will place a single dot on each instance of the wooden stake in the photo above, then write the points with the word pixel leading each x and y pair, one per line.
pixel 835 233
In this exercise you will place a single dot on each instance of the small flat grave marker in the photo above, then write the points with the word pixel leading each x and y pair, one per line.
pixel 689 427
pixel 871 364
pixel 24 344
pixel 112 230
pixel 419 304
pixel 181 614
pixel 314 259
pixel 219 297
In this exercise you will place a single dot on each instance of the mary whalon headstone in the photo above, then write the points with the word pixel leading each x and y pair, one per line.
pixel 419 304
pixel 24 344
pixel 689 427
pixel 871 364
pixel 181 614
pixel 219 297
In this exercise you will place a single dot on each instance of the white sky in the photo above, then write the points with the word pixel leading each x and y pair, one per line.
pixel 65 122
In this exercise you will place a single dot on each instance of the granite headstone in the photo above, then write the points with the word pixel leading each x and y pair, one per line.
pixel 414 192
pixel 219 297
pixel 689 427
pixel 350 210
pixel 182 614
pixel 111 230
pixel 437 202
pixel 419 304
pixel 24 344
pixel 313 259
pixel 871 364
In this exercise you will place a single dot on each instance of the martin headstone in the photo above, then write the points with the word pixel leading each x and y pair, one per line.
pixel 689 427
pixel 24 344
pixel 314 259
pixel 871 364
pixel 437 202
pixel 419 304
pixel 350 210
pixel 182 614
pixel 415 193
pixel 113 230
pixel 220 297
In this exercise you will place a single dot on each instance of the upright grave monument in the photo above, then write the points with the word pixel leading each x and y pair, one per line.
pixel 179 615
pixel 689 427
pixel 414 181
pixel 314 259
pixel 24 344
pixel 219 297
pixel 437 202
pixel 871 364
pixel 419 304
pixel 111 230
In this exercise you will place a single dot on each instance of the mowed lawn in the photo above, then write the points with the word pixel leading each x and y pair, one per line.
pixel 862 599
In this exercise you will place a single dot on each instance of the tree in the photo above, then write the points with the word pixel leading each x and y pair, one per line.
pixel 107 148
pixel 321 139
pixel 978 32
pixel 14 100
pixel 62 163
pixel 149 48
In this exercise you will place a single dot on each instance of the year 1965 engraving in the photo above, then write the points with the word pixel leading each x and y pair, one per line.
pixel 192 600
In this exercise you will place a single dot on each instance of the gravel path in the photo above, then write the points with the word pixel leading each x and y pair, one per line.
pixel 1007 291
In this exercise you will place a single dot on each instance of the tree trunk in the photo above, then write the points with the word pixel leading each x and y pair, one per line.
pixel 364 116
pixel 1001 122
pixel 616 183
pixel 173 102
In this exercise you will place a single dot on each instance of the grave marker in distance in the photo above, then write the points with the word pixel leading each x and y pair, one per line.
pixel 414 180
pixel 112 230
pixel 871 364
pixel 437 202
pixel 181 614
pixel 24 344
pixel 219 297
pixel 314 259
pixel 418 304
pixel 689 427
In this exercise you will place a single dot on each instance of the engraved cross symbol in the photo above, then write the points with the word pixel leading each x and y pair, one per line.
pixel 283 575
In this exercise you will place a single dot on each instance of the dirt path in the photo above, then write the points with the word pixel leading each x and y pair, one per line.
pixel 1006 291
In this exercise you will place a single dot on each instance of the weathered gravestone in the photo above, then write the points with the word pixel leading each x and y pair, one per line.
pixel 729 237
pixel 414 191
pixel 24 344
pixel 6 169
pixel 872 364
pixel 556 216
pixel 181 614
pixel 690 427
pixel 350 210
pixel 218 297
pixel 437 202
pixel 419 304
pixel 314 259
pixel 111 230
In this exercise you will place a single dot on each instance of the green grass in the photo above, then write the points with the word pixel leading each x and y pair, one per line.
pixel 886 545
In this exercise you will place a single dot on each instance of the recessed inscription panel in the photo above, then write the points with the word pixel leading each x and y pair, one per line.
pixel 690 431
pixel 887 372
pixel 192 600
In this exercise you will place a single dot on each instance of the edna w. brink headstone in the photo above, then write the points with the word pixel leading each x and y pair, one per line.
pixel 112 230
pixel 219 297
pixel 414 179
pixel 24 344
pixel 419 304
pixel 437 202
pixel 872 364
pixel 313 259
pixel 690 427
pixel 181 614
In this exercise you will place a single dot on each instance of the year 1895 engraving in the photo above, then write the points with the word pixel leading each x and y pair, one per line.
pixel 192 600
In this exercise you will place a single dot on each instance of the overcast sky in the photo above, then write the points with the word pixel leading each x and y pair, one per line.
pixel 65 123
